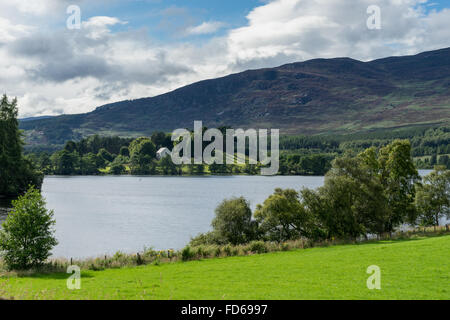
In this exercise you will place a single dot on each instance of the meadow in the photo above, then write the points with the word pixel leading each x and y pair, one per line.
pixel 410 269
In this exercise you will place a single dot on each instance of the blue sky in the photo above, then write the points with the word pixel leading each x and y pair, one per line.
pixel 156 15
pixel 163 19
pixel 128 49
pixel 439 4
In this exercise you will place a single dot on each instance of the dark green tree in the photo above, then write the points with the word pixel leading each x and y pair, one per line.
pixel 167 166
pixel 16 172
pixel 103 153
pixel 162 140
pixel 27 235
pixel 117 168
pixel 433 197
pixel 90 163
pixel 124 151
pixel 233 221
pixel 65 162
pixel 282 217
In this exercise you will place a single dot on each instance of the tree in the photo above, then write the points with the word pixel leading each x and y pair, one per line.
pixel 433 197
pixel 196 169
pixel 105 155
pixel 167 166
pixel 90 163
pixel 142 152
pixel 251 169
pixel 433 159
pixel 117 169
pixel 27 236
pixel 124 151
pixel 395 169
pixel 351 202
pixel 282 216
pixel 65 162
pixel 233 221
pixel 445 161
pixel 142 164
pixel 144 146
pixel 215 168
pixel 70 146
pixel 370 193
pixel 162 140
pixel 16 172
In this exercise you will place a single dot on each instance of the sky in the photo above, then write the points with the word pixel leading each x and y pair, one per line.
pixel 129 49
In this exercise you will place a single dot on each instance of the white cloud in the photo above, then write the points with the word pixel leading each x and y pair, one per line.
pixel 99 26
pixel 329 28
pixel 10 31
pixel 41 7
pixel 205 28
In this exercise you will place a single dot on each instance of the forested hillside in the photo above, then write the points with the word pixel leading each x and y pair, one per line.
pixel 319 96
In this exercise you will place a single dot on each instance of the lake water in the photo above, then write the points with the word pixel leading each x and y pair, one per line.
pixel 101 215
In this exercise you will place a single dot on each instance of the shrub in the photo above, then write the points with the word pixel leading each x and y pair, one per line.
pixel 139 260
pixel 227 250
pixel 27 237
pixel 187 254
pixel 208 238
pixel 233 221
pixel 200 252
pixel 117 169
pixel 257 247
pixel 217 252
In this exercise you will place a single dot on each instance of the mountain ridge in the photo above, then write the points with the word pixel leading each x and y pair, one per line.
pixel 337 95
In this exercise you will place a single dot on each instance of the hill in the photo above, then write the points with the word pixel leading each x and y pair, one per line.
pixel 411 269
pixel 339 95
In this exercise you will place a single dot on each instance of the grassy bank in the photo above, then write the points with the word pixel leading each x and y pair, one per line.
pixel 410 269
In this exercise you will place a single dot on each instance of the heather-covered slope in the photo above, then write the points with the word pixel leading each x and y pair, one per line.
pixel 316 96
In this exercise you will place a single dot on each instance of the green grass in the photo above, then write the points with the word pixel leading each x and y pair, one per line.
pixel 410 269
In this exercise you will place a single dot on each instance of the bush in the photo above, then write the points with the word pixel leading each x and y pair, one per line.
pixel 233 221
pixel 208 238
pixel 257 247
pixel 227 250
pixel 187 254
pixel 117 169
pixel 27 237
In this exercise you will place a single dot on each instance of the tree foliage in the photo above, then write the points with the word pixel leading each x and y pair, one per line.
pixel 27 235
pixel 433 197
pixel 16 171
pixel 233 221
pixel 283 217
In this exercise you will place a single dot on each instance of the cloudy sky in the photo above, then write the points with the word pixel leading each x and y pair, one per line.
pixel 127 49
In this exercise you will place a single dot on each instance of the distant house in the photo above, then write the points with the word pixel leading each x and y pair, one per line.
pixel 162 153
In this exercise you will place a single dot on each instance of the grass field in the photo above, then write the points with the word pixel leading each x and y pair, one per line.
pixel 410 269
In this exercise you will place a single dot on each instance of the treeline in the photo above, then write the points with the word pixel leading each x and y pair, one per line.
pixel 113 155
pixel 429 146
pixel 372 193
pixel 16 171
pixel 300 155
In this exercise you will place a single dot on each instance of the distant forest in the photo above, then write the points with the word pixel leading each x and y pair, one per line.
pixel 300 155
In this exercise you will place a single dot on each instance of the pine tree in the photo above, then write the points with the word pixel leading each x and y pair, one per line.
pixel 16 173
